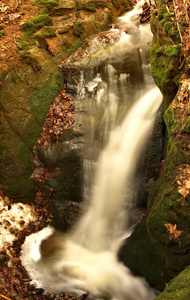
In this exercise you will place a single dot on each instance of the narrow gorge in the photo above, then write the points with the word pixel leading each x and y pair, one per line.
pixel 81 151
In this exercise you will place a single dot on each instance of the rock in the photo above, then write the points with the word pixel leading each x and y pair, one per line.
pixel 138 254
pixel 3 259
pixel 28 90
pixel 166 54
pixel 64 7
pixel 178 288
pixel 168 202
pixel 66 213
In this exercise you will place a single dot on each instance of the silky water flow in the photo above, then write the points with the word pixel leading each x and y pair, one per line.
pixel 85 260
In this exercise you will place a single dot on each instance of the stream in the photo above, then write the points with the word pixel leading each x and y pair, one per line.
pixel 120 102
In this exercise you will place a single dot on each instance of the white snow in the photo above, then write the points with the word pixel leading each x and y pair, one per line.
pixel 13 217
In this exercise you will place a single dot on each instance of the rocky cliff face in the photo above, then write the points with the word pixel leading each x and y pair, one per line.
pixel 169 210
pixel 43 34
pixel 166 229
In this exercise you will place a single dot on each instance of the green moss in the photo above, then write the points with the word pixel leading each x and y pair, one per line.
pixel 141 257
pixel 110 17
pixel 165 63
pixel 77 14
pixel 23 42
pixel 24 155
pixel 13 76
pixel 33 130
pixel 27 58
pixel 91 6
pixel 177 142
pixel 178 288
pixel 47 4
pixel 63 31
pixel 121 4
pixel 41 100
pixel 2 149
pixel 185 126
pixel 2 75
pixel 166 204
pixel 21 188
pixel 76 44
pixel 163 22
pixel 167 208
pixel 2 33
pixel 67 44
pixel 45 32
pixel 36 23
pixel 78 29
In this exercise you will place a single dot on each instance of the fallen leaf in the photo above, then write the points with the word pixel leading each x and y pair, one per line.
pixel 174 233
pixel 183 191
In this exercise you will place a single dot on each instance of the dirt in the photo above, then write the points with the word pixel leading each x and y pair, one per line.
pixel 13 13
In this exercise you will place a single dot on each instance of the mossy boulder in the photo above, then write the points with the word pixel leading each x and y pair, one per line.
pixel 140 255
pixel 178 288
pixel 24 104
pixel 165 63
pixel 169 209
pixel 36 23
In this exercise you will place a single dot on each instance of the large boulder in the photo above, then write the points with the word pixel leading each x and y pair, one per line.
pixel 178 288
pixel 169 209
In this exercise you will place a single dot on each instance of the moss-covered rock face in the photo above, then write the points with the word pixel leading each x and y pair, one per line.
pixel 166 55
pixel 166 233
pixel 169 197
pixel 24 105
pixel 178 288
pixel 28 89
pixel 168 203
pixel 139 254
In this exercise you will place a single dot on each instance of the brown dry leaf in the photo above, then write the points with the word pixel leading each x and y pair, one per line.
pixel 183 191
pixel 187 184
pixel 183 180
pixel 174 233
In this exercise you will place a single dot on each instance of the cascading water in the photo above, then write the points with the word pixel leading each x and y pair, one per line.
pixel 85 260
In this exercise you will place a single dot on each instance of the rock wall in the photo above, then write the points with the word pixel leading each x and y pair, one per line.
pixel 166 228
pixel 31 82
pixel 169 209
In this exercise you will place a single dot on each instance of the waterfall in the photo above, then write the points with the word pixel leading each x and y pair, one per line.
pixel 116 165
pixel 85 260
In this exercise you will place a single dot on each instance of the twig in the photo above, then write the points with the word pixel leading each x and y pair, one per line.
pixel 4 297
pixel 17 43
pixel 17 3
pixel 174 4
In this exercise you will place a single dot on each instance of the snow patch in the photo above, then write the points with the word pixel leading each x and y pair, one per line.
pixel 13 218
